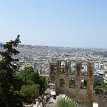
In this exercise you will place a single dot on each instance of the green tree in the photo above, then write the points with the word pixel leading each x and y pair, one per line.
pixel 30 92
pixel 9 84
pixel 30 78
pixel 39 80
pixel 29 69
pixel 26 75
pixel 100 84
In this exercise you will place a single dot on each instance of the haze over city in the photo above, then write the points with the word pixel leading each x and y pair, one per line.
pixel 69 23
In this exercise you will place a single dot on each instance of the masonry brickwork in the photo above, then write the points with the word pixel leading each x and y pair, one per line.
pixel 75 79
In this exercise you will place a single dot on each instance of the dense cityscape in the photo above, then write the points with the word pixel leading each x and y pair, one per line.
pixel 53 53
pixel 40 57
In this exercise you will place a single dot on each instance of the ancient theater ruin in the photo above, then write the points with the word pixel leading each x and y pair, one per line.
pixel 75 79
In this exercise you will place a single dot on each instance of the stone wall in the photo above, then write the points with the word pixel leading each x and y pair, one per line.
pixel 73 70
pixel 64 70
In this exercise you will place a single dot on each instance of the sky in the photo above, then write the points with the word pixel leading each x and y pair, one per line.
pixel 69 23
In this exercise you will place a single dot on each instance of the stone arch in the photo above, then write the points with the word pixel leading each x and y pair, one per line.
pixel 71 83
pixel 84 69
pixel 62 65
pixel 83 84
pixel 61 82
pixel 73 69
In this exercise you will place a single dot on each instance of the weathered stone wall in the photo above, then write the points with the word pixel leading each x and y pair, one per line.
pixel 85 96
pixel 80 95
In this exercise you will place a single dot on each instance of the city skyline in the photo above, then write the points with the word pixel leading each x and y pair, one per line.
pixel 68 23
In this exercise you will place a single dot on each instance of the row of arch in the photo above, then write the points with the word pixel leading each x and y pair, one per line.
pixel 73 68
pixel 83 84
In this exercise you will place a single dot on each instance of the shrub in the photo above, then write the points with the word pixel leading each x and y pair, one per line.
pixel 65 103
pixel 30 92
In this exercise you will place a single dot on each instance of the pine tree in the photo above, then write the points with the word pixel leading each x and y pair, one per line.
pixel 9 84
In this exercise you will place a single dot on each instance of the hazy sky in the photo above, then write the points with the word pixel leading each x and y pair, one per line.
pixel 72 23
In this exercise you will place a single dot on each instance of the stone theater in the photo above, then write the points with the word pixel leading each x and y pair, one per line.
pixel 75 79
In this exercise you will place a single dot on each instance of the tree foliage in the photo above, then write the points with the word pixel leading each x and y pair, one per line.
pixel 33 82
pixel 17 86
pixel 39 80
pixel 9 84
pixel 100 84
pixel 30 92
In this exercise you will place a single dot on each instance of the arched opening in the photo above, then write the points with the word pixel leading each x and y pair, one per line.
pixel 83 84
pixel 73 68
pixel 62 67
pixel 61 82
pixel 71 83
pixel 84 69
